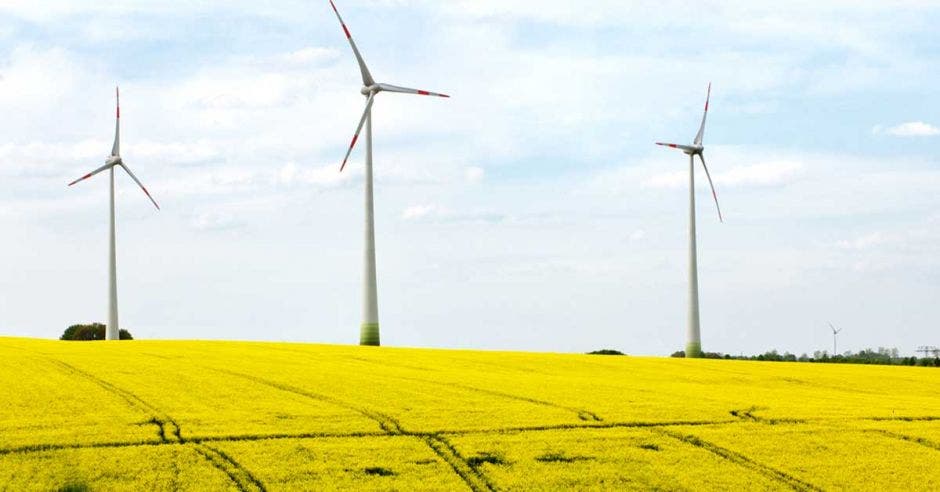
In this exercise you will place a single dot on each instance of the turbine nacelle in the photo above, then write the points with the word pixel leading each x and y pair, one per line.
pixel 693 150
pixel 370 90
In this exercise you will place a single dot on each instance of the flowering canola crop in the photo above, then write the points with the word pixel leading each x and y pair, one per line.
pixel 161 415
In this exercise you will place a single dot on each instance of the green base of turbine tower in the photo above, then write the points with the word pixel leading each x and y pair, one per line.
pixel 369 334
pixel 693 351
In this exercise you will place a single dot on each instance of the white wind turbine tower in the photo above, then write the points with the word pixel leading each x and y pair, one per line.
pixel 114 160
pixel 693 344
pixel 834 333
pixel 369 331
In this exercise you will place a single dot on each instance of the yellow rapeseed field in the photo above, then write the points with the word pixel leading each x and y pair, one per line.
pixel 161 415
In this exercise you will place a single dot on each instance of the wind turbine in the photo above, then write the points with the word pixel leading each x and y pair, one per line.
pixel 693 344
pixel 114 160
pixel 369 330
pixel 834 333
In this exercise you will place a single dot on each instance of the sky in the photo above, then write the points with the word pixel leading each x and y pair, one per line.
pixel 531 211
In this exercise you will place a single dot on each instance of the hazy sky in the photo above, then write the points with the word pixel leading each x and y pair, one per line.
pixel 530 211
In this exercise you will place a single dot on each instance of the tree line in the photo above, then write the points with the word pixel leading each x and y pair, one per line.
pixel 880 356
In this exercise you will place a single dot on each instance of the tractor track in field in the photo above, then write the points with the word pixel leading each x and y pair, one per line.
pixel 390 364
pixel 170 432
pixel 472 477
pixel 42 448
pixel 904 437
pixel 582 414
pixel 748 415
pixel 927 418
pixel 237 473
pixel 351 435
pixel 167 428
pixel 742 460
pixel 601 425
pixel 388 424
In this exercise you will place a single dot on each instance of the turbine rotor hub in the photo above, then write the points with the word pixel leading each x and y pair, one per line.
pixel 368 90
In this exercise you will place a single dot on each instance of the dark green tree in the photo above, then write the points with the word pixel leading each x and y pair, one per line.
pixel 93 331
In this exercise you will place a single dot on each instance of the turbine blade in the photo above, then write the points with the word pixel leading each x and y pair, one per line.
pixel 701 130
pixel 355 138
pixel 96 171
pixel 367 79
pixel 116 149
pixel 676 146
pixel 710 183
pixel 405 90
pixel 129 173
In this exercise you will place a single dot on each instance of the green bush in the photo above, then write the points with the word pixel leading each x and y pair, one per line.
pixel 606 352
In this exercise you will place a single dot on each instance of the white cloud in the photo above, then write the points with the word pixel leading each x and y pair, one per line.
pixel 213 221
pixel 909 129
pixel 865 242
pixel 55 10
pixel 195 152
pixel 36 80
pixel 220 181
pixel 323 176
pixel 51 159
pixel 673 179
pixel 417 212
pixel 441 215
pixel 309 55
pixel 474 174
pixel 774 173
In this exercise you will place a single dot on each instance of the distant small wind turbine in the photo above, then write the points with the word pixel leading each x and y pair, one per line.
pixel 693 345
pixel 369 330
pixel 113 332
pixel 834 333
